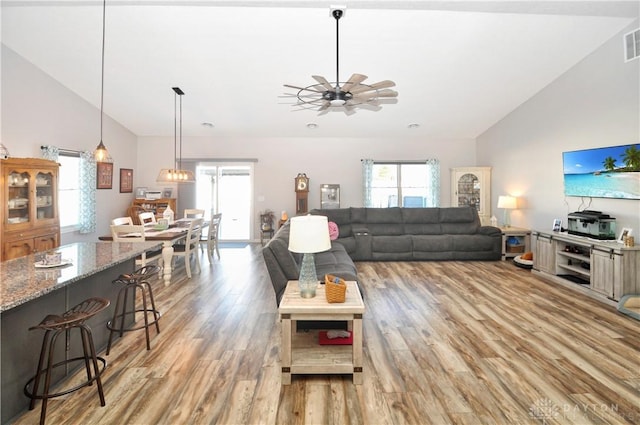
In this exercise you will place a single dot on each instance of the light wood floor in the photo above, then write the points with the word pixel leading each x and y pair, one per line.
pixel 444 343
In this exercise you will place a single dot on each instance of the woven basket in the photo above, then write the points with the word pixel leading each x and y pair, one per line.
pixel 334 288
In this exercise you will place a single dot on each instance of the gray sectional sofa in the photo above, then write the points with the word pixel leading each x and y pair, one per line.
pixel 387 234
pixel 415 234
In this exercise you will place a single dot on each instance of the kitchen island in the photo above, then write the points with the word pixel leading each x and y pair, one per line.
pixel 30 290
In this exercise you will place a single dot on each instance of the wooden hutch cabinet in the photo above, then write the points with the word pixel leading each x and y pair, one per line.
pixel 157 206
pixel 29 215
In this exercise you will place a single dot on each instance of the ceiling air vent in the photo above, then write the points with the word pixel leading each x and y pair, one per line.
pixel 632 45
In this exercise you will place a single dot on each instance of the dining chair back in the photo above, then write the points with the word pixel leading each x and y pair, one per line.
pixel 147 217
pixel 135 233
pixel 193 213
pixel 190 245
pixel 211 238
pixel 122 220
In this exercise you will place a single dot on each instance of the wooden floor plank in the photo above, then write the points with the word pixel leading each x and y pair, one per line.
pixel 444 343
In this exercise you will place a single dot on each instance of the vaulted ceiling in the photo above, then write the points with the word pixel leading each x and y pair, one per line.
pixel 459 66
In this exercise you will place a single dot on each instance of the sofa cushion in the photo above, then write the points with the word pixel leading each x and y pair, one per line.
pixel 421 215
pixel 432 243
pixel 335 261
pixel 288 263
pixel 384 216
pixel 459 220
pixel 392 244
pixel 358 215
pixel 472 243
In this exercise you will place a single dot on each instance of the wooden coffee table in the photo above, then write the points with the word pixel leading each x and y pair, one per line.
pixel 301 352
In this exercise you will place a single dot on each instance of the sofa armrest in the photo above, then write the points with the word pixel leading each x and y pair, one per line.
pixel 363 242
pixel 489 231
pixel 359 230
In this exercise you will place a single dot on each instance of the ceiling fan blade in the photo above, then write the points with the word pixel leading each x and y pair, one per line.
pixel 324 82
pixel 354 80
pixel 365 97
pixel 324 106
pixel 375 86
pixel 302 88
pixel 387 93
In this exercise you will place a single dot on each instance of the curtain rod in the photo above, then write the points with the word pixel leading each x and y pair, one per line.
pixel 62 150
pixel 399 161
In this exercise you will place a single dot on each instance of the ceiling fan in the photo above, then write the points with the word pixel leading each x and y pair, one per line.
pixel 336 95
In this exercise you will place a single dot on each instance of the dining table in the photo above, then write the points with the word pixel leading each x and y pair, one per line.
pixel 175 233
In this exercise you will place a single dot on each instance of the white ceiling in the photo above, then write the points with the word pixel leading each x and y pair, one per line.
pixel 459 66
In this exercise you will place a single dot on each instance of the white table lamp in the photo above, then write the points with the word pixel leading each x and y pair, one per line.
pixel 308 234
pixel 507 203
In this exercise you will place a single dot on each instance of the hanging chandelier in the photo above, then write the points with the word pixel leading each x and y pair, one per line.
pixel 176 174
pixel 101 154
pixel 345 96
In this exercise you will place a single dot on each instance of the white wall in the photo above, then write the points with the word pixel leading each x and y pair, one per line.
pixel 324 160
pixel 595 104
pixel 37 110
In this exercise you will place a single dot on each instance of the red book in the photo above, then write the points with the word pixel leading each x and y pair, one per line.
pixel 323 339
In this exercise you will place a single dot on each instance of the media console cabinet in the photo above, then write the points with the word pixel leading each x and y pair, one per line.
pixel 605 270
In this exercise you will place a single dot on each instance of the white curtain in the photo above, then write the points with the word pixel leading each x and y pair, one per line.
pixel 433 183
pixel 367 176
pixel 88 171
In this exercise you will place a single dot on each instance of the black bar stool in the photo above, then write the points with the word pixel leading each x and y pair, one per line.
pixel 54 325
pixel 138 280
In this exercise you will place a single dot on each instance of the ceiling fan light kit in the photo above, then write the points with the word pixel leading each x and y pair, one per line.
pixel 352 93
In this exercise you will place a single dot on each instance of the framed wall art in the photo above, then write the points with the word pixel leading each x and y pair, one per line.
pixel 126 180
pixel 105 175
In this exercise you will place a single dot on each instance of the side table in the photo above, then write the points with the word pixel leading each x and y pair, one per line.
pixel 301 352
pixel 515 241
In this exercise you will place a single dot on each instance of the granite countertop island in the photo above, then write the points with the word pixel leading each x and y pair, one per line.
pixel 21 281
pixel 29 293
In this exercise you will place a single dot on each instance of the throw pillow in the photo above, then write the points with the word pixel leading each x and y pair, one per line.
pixel 334 232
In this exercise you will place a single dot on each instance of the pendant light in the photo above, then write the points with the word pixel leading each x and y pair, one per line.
pixel 176 174
pixel 101 154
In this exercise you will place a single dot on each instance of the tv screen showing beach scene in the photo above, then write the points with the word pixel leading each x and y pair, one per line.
pixel 611 172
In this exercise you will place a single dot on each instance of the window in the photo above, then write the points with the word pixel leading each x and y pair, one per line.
pixel 407 184
pixel 69 190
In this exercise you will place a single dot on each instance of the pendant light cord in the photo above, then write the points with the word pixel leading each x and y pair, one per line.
pixel 337 14
pixel 180 164
pixel 175 130
pixel 104 10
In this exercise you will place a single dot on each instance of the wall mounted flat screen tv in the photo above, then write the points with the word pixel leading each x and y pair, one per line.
pixel 611 172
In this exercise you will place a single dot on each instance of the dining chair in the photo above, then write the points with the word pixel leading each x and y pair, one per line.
pixel 193 213
pixel 122 220
pixel 190 245
pixel 147 217
pixel 211 238
pixel 135 233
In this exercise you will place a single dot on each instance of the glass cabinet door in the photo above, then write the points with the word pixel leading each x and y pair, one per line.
pixel 45 196
pixel 18 208
pixel 469 191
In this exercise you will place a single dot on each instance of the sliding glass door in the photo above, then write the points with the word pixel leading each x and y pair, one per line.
pixel 227 188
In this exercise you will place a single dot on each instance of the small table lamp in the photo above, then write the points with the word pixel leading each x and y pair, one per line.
pixel 308 234
pixel 508 203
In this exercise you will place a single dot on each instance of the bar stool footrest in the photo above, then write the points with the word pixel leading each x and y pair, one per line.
pixel 156 315
pixel 85 383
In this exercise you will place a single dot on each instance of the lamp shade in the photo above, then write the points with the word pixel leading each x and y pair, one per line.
pixel 309 234
pixel 507 202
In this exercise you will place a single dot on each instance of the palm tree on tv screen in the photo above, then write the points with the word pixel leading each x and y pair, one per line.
pixel 631 158
pixel 609 163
